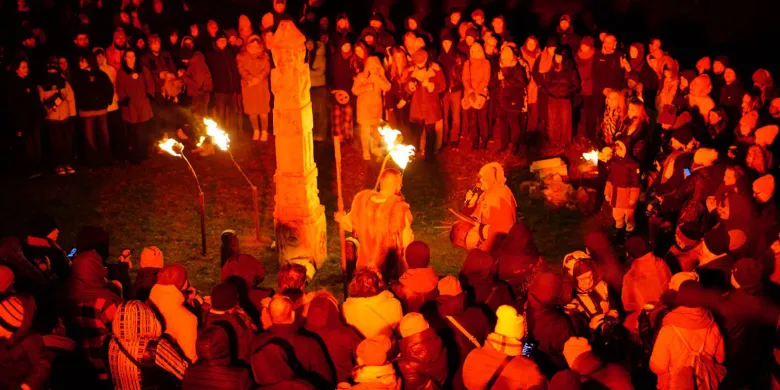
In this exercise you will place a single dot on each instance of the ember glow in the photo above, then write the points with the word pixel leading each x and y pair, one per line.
pixel 592 156
pixel 171 146
pixel 218 136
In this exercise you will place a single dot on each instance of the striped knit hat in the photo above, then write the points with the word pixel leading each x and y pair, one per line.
pixel 11 314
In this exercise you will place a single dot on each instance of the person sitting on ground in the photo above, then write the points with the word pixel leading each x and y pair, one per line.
pixel 22 359
pixel 340 340
pixel 373 371
pixel 215 368
pixel 593 372
pixel 548 324
pixel 246 273
pixel 417 285
pixel 422 361
pixel 226 312
pixel 152 261
pixel 291 282
pixel 499 363
pixel 644 282
pixel 41 248
pixel 370 308
pixel 591 300
pixel 483 289
pixel 168 298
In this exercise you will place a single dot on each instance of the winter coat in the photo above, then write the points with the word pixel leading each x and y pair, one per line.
pixel 135 90
pixel 476 72
pixel 197 78
pixel 94 91
pixel 606 72
pixel 284 353
pixel 561 84
pixel 180 323
pixel 597 375
pixel 548 324
pixel 584 68
pixel 670 353
pixel 239 329
pixel 426 105
pixel 255 90
pixel 533 88
pixel 23 359
pixel 478 279
pixel 114 55
pixel 214 370
pixel 622 189
pixel 340 340
pixel 519 373
pixel 731 98
pixel 162 62
pixel 22 95
pixel 319 67
pixel 111 73
pixel 224 70
pixel 423 361
pixel 513 88
pixel 416 287
pixel 342 72
pixel 369 90
pixel 66 108
pixel 372 316
pixel 644 283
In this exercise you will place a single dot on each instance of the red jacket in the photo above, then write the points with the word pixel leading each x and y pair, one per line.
pixel 622 189
pixel 426 105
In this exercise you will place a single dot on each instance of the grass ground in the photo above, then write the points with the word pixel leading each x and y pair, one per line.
pixel 156 204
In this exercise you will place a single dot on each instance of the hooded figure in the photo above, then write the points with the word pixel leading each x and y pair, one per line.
pixel 496 210
pixel 373 371
pixel 476 77
pixel 500 363
pixel 324 320
pixel 422 362
pixel 548 323
pixel 645 281
pixel 137 354
pixel 22 358
pixel 518 260
pixel 150 265
pixel 215 368
pixel 167 298
pixel 478 277
pixel 254 66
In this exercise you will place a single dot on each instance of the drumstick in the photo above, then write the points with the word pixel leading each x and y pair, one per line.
pixel 462 217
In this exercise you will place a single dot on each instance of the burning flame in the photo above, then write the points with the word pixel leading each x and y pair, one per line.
pixel 389 135
pixel 171 146
pixel 592 156
pixel 401 154
pixel 218 136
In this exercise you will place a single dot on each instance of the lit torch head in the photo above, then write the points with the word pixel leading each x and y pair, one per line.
pixel 592 156
pixel 218 136
pixel 389 135
pixel 171 146
pixel 401 154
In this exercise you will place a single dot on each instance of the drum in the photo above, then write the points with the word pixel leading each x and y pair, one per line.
pixel 461 235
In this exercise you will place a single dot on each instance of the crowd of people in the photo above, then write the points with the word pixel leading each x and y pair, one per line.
pixel 686 174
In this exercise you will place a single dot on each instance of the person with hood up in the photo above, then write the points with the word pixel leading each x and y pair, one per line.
pixel 530 52
pixel 499 363
pixel 370 308
pixel 91 301
pixel 135 91
pixel 759 157
pixel 342 69
pixel 417 286
pixel 584 62
pixel 460 326
pixel 593 373
pixel 215 369
pixel 285 354
pixel 226 313
pixel 495 209
pixel 478 276
pixel 60 103
pixel 689 333
pixel 644 283
pixel 749 318
pixel 513 103
pixel 94 94
pixel 383 38
pixel 23 359
pixel 518 260
pixel 373 371
pixel 254 66
pixel 197 79
pixel 427 82
pixel 560 84
pixel 422 359
pixel 669 86
pixel 137 354
pixel 548 324
pixel 476 76
pixel 541 68
pixel 341 341
pixel 452 62
pixel 591 301
pixel 152 261
pixel 622 188
pixel 607 71
pixel 369 85
pixel 227 82
pixel 763 80
pixel 413 24
pixel 168 298
pixel 646 74
pixel 566 34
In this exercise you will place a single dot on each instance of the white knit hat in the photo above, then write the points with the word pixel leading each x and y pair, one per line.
pixel 681 277
pixel 510 323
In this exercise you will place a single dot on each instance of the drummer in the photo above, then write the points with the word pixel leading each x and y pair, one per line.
pixel 496 210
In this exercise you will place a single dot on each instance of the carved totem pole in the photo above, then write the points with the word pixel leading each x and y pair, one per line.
pixel 299 218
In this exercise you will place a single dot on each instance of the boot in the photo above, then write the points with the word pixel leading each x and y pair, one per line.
pixel 264 136
pixel 256 135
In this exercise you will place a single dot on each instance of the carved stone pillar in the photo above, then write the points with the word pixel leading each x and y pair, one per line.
pixel 299 218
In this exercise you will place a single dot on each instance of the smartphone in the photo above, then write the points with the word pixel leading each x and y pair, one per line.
pixel 528 348
pixel 72 253
pixel 687 172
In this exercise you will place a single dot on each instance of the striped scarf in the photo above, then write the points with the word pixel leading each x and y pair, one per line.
pixel 507 345
pixel 610 125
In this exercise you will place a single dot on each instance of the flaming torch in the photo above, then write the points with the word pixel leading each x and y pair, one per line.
pixel 176 149
pixel 400 153
pixel 591 157
pixel 221 140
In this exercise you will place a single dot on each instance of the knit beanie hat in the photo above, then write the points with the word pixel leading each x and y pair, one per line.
pixel 224 296
pixel 748 272
pixel 688 75
pixel 41 225
pixel 766 135
pixel 588 41
pixel 152 257
pixel 637 246
pixel 173 275
pixel 574 347
pixel 412 323
pixel 764 184
pixel 6 278
pixel 681 277
pixel 717 241
pixel 683 135
pixel 373 351
pixel 449 286
pixel 420 57
pixel 705 156
pixel 418 254
pixel 11 314
pixel 509 322
pixel 668 115
pixel 688 233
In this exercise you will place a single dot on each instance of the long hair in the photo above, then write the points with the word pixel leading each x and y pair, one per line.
pixel 137 68
pixel 642 117
pixel 399 70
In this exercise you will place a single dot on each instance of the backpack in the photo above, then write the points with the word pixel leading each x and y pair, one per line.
pixel 707 373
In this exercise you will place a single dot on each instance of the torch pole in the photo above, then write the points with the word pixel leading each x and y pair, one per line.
pixel 340 205
pixel 201 203
pixel 254 196
pixel 381 169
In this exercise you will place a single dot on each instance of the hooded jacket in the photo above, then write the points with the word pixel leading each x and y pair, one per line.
pixel 476 72
pixel 416 287
pixel 135 89
pixel 369 90
pixel 341 70
pixel 180 323
pixel 513 88
pixel 372 316
pixel 478 278
pixel 548 324
pixel 214 370
pixel 224 70
pixel 197 77
pixel 423 361
pixel 644 283
pixel 94 91
pixel 285 353
pixel 341 341
pixel 66 108
pixel 607 72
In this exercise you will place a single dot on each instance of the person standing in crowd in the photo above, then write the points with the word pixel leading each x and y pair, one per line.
pixel 513 79
pixel 607 71
pixel 118 46
pixel 368 87
pixel 426 83
pixel 94 94
pixel 560 84
pixel 476 76
pixel 216 369
pixel 116 126
pixel 397 99
pixel 25 119
pixel 60 103
pixel 135 90
pixel 254 66
pixel 319 86
pixel 198 82
pixel 343 69
pixel 452 64
pixel 622 189
pixel 590 115
pixel 226 81
pixel 162 69
pixel 530 52
pixel 422 361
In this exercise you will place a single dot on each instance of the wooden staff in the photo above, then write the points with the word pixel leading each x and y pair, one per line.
pixel 340 205
pixel 254 196
pixel 201 203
